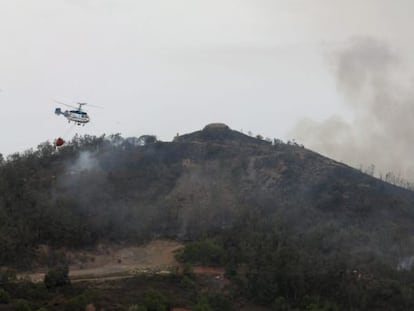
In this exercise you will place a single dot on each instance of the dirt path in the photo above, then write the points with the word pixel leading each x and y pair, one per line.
pixel 109 261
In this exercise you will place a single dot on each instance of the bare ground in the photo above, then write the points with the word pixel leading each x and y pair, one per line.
pixel 111 261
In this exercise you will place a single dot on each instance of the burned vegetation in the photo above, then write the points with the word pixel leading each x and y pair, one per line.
pixel 293 229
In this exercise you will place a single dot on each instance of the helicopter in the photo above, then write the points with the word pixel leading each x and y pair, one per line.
pixel 77 115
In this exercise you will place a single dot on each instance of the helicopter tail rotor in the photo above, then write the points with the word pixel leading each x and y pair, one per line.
pixel 58 111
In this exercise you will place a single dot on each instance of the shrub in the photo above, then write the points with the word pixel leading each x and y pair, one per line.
pixel 206 252
pixel 219 302
pixel 22 305
pixel 4 296
pixel 77 303
pixel 7 275
pixel 155 301
pixel 57 277
pixel 202 305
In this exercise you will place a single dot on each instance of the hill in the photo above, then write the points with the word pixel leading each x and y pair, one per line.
pixel 276 206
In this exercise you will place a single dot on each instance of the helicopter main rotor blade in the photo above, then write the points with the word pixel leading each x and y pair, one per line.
pixel 89 105
pixel 65 104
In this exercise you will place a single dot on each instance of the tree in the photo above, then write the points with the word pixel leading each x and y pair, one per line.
pixel 202 305
pixel 147 139
pixel 206 252
pixel 4 296
pixel 137 308
pixel 57 277
pixel 6 275
pixel 22 305
pixel 155 301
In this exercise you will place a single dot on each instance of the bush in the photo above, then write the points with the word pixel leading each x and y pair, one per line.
pixel 7 275
pixel 57 277
pixel 155 301
pixel 77 303
pixel 205 252
pixel 281 304
pixel 188 271
pixel 219 302
pixel 202 305
pixel 4 296
pixel 22 305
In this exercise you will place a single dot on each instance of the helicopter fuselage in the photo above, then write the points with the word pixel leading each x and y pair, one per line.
pixel 77 116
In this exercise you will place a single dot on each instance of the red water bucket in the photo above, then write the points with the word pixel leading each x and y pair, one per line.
pixel 59 142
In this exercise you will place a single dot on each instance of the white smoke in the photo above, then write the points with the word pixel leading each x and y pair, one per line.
pixel 84 162
pixel 371 78
pixel 406 264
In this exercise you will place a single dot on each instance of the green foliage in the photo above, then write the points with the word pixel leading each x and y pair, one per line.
pixel 219 302
pixel 314 303
pixel 188 270
pixel 28 290
pixel 205 252
pixel 22 305
pixel 188 282
pixel 202 307
pixel 285 221
pixel 303 272
pixel 77 303
pixel 280 304
pixel 4 296
pixel 155 300
pixel 57 277
pixel 216 302
pixel 147 139
pixel 137 308
pixel 7 275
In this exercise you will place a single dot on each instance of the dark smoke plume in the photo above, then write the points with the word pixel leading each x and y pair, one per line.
pixel 371 78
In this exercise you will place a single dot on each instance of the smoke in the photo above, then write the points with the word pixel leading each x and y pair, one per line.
pixel 84 162
pixel 406 264
pixel 374 85
pixel 83 174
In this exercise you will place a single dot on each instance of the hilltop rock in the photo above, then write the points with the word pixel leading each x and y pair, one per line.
pixel 219 133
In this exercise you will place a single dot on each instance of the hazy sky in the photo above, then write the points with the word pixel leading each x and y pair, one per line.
pixel 165 67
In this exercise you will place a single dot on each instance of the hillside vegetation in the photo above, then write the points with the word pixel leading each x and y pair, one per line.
pixel 294 229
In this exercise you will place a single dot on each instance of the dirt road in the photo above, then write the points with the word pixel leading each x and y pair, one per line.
pixel 108 261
